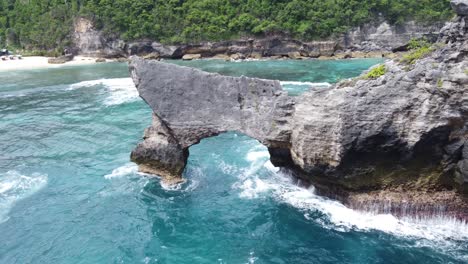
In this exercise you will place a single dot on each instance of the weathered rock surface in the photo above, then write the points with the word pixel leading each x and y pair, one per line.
pixel 61 59
pixel 460 7
pixel 382 36
pixel 406 131
pixel 190 105
pixel 398 141
pixel 191 56
pixel 376 36
pixel 91 42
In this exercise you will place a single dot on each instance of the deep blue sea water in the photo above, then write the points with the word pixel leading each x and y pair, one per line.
pixel 69 194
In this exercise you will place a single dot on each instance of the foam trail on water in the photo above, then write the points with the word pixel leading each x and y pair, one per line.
pixel 15 186
pixel 121 90
pixel 318 84
pixel 250 184
pixel 131 169
pixel 127 169
pixel 440 233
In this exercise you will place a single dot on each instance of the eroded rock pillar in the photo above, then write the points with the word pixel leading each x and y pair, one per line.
pixel 160 153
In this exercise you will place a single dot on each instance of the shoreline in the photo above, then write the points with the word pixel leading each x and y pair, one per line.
pixel 41 62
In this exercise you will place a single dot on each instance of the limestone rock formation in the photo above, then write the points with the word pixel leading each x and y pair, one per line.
pixel 397 141
pixel 381 35
pixel 91 42
pixel 401 133
pixel 190 105
pixel 460 7
pixel 378 36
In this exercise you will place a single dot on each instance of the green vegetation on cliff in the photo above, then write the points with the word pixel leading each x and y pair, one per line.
pixel 48 24
pixel 419 48
pixel 376 72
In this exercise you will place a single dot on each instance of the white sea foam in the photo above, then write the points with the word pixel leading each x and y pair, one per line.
pixel 252 188
pixel 131 169
pixel 127 169
pixel 124 179
pixel 255 155
pixel 121 90
pixel 438 232
pixel 312 84
pixel 15 186
pixel 252 258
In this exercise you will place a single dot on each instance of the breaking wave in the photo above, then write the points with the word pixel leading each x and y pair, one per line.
pixel 437 232
pixel 121 90
pixel 131 169
pixel 127 169
pixel 15 186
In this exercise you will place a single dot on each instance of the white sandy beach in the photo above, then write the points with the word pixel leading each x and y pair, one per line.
pixel 37 62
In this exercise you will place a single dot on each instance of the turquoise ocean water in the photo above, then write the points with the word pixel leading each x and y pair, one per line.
pixel 69 194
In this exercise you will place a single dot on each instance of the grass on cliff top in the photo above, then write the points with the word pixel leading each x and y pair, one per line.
pixel 419 48
pixel 417 54
pixel 376 72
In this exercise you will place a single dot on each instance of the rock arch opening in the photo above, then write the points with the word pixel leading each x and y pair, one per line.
pixel 190 105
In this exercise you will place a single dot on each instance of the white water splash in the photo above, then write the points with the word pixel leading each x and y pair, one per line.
pixel 121 90
pixel 131 169
pixel 127 169
pixel 312 84
pixel 334 215
pixel 252 258
pixel 256 155
pixel 15 186
pixel 123 180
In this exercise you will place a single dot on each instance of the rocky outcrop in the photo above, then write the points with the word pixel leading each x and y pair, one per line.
pixel 191 56
pixel 382 36
pixel 91 42
pixel 190 105
pixel 377 36
pixel 460 7
pixel 401 137
pixel 60 60
pixel 395 142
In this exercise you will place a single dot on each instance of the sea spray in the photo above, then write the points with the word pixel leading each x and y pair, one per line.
pixel 120 90
pixel 15 186
pixel 438 232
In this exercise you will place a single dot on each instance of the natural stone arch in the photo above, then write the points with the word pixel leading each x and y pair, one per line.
pixel 401 134
pixel 190 105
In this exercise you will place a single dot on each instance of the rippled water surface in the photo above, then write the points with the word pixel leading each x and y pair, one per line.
pixel 68 193
pixel 295 76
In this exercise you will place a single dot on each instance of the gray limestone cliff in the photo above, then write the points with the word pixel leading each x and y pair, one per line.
pixel 395 143
pixel 381 35
pixel 89 41
pixel 378 36
pixel 402 136
pixel 190 105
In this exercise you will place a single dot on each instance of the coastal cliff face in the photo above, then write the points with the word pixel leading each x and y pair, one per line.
pixel 397 143
pixel 384 36
pixel 402 136
pixel 91 42
pixel 372 37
